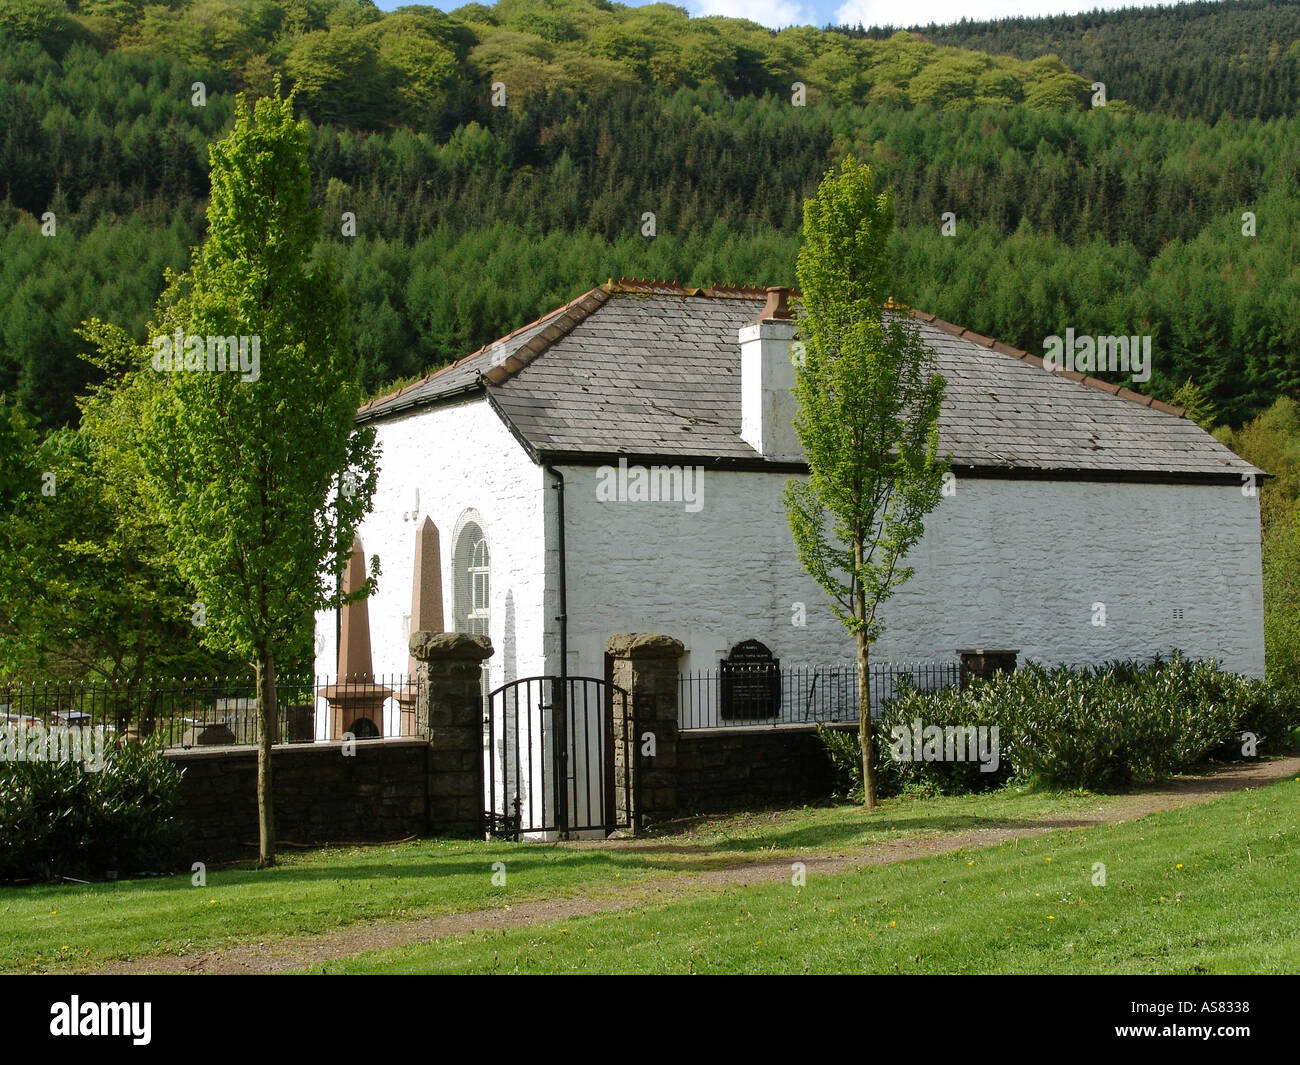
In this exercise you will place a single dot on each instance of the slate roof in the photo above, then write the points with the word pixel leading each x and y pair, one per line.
pixel 652 370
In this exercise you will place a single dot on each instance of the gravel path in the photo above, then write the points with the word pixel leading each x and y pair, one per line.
pixel 304 951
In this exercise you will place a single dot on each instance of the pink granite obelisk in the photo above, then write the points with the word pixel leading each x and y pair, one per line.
pixel 356 701
pixel 426 585
pixel 426 610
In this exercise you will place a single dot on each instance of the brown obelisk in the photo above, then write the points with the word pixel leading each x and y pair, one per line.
pixel 426 585
pixel 356 701
pixel 426 611
pixel 355 664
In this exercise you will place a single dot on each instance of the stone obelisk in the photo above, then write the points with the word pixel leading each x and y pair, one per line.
pixel 356 701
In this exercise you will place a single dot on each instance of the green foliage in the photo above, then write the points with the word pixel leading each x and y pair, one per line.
pixel 1085 219
pixel 1282 599
pixel 18 476
pixel 413 55
pixel 869 398
pixel 1101 728
pixel 262 534
pixel 1272 442
pixel 1196 405
pixel 33 20
pixel 867 420
pixel 1202 59
pixel 336 74
pixel 844 749
pixel 59 818
pixel 87 589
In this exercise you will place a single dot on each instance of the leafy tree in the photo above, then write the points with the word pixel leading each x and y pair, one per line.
pixel 421 68
pixel 258 475
pixel 869 399
pixel 33 20
pixel 1272 442
pixel 1282 598
pixel 88 591
pixel 1196 405
pixel 336 74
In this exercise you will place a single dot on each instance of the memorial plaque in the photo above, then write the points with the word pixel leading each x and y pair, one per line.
pixel 750 684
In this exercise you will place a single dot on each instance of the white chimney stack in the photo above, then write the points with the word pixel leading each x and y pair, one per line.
pixel 767 404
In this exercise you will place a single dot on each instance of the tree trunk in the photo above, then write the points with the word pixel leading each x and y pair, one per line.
pixel 269 715
pixel 864 722
pixel 864 678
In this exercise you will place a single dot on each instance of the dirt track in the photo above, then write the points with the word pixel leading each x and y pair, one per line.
pixel 303 951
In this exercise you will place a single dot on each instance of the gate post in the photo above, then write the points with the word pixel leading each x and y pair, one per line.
pixel 450 709
pixel 645 666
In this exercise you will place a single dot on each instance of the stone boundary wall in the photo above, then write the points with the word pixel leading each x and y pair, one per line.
pixel 726 769
pixel 379 793
pixel 393 788
pixel 383 791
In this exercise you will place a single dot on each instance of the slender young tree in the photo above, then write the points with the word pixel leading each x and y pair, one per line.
pixel 256 470
pixel 869 399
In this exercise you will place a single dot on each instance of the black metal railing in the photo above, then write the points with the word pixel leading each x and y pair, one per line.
pixel 218 711
pixel 771 696
pixel 557 757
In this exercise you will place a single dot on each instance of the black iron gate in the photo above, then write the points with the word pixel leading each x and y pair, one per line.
pixel 559 758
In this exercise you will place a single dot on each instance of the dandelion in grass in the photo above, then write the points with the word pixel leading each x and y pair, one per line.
pixel 1179 865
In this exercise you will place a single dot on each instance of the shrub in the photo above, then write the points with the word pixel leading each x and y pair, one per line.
pixel 1101 727
pixel 844 750
pixel 58 818
pixel 946 709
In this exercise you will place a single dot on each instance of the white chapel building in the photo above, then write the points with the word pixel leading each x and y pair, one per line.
pixel 618 466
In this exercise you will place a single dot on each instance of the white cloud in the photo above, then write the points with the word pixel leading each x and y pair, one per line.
pixel 923 12
pixel 774 13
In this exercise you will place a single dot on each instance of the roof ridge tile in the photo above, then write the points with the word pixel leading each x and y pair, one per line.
pixel 390 396
pixel 572 314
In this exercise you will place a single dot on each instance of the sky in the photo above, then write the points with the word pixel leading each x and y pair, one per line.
pixel 778 13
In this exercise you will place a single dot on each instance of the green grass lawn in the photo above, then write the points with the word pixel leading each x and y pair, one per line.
pixel 72 926
pixel 1208 888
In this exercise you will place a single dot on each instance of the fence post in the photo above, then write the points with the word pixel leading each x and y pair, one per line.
pixel 645 666
pixel 450 708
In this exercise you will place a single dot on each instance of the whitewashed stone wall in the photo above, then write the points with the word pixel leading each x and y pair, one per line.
pixel 459 458
pixel 1004 563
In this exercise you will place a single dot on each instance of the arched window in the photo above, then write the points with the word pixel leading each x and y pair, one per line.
pixel 478 587
pixel 473 562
